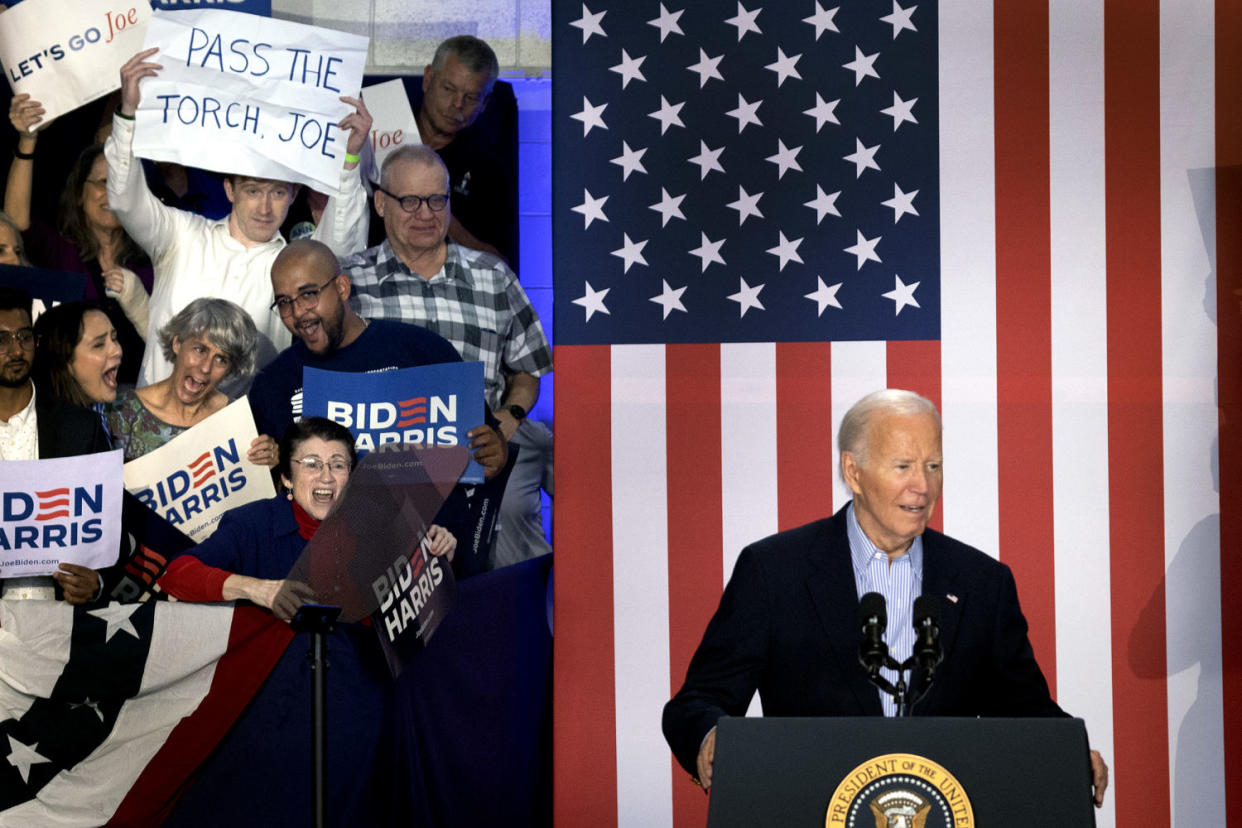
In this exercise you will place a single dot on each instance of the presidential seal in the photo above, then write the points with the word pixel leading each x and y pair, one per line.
pixel 899 790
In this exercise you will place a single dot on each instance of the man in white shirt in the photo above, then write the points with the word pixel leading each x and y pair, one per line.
pixel 32 428
pixel 229 258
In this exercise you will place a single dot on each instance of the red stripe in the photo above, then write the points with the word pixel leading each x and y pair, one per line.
pixel 256 641
pixel 1024 317
pixel 695 542
pixel 1229 371
pixel 584 742
pixel 803 432
pixel 915 366
pixel 1135 424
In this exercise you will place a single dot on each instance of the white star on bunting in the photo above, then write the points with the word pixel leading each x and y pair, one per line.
pixel 669 207
pixel 747 297
pixel 746 205
pixel 22 756
pixel 824 112
pixel 863 66
pixel 593 301
pixel 825 296
pixel 900 111
pixel 629 68
pixel 630 160
pixel 667 22
pixel 707 160
pixel 901 203
pixel 786 251
pixel 864 249
pixel 824 204
pixel 591 208
pixel 862 158
pixel 589 23
pixel 707 68
pixel 590 116
pixel 708 251
pixel 902 295
pixel 900 19
pixel 822 20
pixel 786 159
pixel 744 20
pixel 668 114
pixel 670 299
pixel 117 618
pixel 785 66
pixel 631 252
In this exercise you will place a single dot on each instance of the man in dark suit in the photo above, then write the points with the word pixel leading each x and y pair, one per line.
pixel 35 426
pixel 788 623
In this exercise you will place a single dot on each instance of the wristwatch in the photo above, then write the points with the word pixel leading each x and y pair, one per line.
pixel 517 411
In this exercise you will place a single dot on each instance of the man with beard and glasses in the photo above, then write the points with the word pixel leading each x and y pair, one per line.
pixel 36 426
pixel 312 299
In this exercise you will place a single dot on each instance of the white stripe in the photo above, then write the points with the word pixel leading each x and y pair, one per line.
pixel 640 585
pixel 1191 502
pixel 858 368
pixel 187 640
pixel 1079 339
pixel 748 452
pixel 28 672
pixel 968 273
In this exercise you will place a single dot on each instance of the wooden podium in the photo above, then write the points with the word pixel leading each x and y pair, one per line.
pixel 934 772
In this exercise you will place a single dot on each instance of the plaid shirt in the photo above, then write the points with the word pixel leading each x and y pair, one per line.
pixel 475 302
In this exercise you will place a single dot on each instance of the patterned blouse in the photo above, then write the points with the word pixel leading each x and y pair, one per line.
pixel 136 429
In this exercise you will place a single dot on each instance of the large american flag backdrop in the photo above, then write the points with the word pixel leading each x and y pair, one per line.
pixel 1032 214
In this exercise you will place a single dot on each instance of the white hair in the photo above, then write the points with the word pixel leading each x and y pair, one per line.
pixel 854 435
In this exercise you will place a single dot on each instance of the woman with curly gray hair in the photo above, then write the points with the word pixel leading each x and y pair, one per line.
pixel 209 340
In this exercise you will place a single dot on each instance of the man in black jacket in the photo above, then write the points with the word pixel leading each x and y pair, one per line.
pixel 788 623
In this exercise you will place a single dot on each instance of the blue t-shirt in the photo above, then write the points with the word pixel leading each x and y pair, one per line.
pixel 276 395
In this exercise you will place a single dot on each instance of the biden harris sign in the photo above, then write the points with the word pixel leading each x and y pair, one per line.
pixel 61 510
pixel 432 405
pixel 197 477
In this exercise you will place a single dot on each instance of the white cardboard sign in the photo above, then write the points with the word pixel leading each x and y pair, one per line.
pixel 194 479
pixel 66 53
pixel 250 95
pixel 392 122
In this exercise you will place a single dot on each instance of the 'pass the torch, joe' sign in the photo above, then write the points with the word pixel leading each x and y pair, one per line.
pixel 250 95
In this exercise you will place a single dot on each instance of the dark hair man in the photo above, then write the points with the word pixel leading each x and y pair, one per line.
pixel 456 88
pixel 34 427
pixel 794 598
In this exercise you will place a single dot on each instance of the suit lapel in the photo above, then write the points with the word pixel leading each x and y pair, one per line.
pixel 833 592
pixel 940 581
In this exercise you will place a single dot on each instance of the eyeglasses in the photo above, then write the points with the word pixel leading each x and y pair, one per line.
pixel 24 337
pixel 305 300
pixel 314 465
pixel 411 203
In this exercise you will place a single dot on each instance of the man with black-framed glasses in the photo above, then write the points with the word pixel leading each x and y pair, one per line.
pixel 420 276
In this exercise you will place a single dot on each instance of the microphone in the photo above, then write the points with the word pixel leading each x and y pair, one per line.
pixel 872 651
pixel 927 651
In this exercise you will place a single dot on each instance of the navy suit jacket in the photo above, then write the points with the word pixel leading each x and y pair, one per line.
pixel 788 626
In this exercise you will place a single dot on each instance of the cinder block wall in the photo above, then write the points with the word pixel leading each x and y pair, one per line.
pixel 404 33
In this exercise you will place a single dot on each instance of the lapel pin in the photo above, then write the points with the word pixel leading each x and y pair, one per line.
pixel 951 597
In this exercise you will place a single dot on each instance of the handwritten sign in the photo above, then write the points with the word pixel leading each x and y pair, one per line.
pixel 194 479
pixel 392 122
pixel 432 405
pixel 249 95
pixel 65 53
pixel 61 510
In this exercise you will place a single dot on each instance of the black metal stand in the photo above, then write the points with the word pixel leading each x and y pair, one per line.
pixel 318 620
